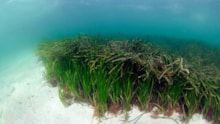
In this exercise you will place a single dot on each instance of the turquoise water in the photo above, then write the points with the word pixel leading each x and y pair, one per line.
pixel 25 22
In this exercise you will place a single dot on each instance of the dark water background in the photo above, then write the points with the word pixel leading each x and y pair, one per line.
pixel 23 23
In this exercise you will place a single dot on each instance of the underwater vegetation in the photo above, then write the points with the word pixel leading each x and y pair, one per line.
pixel 115 74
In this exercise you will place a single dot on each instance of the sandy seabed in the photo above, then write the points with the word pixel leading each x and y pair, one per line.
pixel 25 98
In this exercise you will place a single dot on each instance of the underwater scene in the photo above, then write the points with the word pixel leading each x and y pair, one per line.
pixel 109 62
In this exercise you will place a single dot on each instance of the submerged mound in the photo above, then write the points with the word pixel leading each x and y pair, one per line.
pixel 114 75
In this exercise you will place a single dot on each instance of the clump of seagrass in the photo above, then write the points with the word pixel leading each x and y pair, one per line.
pixel 113 75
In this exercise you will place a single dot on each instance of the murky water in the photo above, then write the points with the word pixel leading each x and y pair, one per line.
pixel 24 23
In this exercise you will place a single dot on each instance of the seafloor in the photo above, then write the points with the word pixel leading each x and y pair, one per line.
pixel 26 98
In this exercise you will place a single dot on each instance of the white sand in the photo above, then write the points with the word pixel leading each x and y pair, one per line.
pixel 25 98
